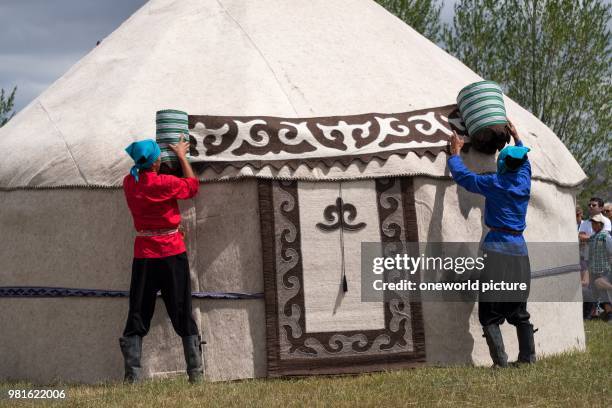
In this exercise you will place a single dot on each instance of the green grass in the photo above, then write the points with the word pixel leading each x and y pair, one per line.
pixel 572 379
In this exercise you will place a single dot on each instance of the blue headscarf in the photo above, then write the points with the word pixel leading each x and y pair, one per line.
pixel 514 152
pixel 144 153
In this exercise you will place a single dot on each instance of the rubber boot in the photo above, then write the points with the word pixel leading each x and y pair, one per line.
pixel 192 346
pixel 524 332
pixel 131 348
pixel 495 342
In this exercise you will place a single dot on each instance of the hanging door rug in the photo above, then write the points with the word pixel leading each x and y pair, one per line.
pixel 311 238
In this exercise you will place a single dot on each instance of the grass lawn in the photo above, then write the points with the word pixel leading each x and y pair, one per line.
pixel 569 380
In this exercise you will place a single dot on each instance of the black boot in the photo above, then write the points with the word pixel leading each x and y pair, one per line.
pixel 524 332
pixel 192 346
pixel 495 342
pixel 131 348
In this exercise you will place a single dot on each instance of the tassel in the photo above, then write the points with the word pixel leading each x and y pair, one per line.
pixel 344 284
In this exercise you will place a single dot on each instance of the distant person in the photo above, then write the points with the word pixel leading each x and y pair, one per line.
pixel 596 206
pixel 600 261
pixel 506 199
pixel 160 259
pixel 587 296
pixel 585 231
pixel 607 212
pixel 579 215
pixel 582 245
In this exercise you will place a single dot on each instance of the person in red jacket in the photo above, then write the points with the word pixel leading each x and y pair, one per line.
pixel 160 259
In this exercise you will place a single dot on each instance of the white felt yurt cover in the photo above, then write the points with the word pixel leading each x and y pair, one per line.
pixel 335 66
pixel 242 58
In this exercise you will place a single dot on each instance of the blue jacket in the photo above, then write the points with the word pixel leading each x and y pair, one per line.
pixel 506 200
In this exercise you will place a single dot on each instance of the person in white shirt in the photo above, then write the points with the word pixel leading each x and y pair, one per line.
pixel 607 212
pixel 599 256
pixel 596 206
pixel 585 231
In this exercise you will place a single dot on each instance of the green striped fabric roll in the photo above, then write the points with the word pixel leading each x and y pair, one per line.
pixel 170 126
pixel 482 105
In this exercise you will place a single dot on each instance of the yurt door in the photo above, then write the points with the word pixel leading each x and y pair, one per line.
pixel 312 234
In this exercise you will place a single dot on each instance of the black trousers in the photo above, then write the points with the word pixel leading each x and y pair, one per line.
pixel 496 307
pixel 171 276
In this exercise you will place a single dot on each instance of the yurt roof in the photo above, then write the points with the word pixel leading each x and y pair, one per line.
pixel 264 58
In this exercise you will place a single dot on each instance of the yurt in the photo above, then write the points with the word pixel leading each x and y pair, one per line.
pixel 297 110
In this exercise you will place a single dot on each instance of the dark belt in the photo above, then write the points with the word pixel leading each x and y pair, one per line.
pixel 507 230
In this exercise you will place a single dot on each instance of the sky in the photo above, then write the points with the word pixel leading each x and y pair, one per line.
pixel 42 39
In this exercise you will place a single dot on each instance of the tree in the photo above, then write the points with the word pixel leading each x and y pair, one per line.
pixel 6 106
pixel 422 15
pixel 554 58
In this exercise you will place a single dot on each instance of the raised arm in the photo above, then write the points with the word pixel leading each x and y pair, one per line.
pixel 525 169
pixel 186 187
pixel 514 134
pixel 472 182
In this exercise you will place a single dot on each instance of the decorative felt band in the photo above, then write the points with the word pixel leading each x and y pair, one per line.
pixel 258 141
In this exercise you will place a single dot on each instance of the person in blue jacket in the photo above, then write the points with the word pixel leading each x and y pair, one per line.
pixel 506 199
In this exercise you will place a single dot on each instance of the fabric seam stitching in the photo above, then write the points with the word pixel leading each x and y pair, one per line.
pixel 61 135
pixel 226 11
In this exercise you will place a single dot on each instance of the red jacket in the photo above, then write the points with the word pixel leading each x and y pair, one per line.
pixel 152 202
